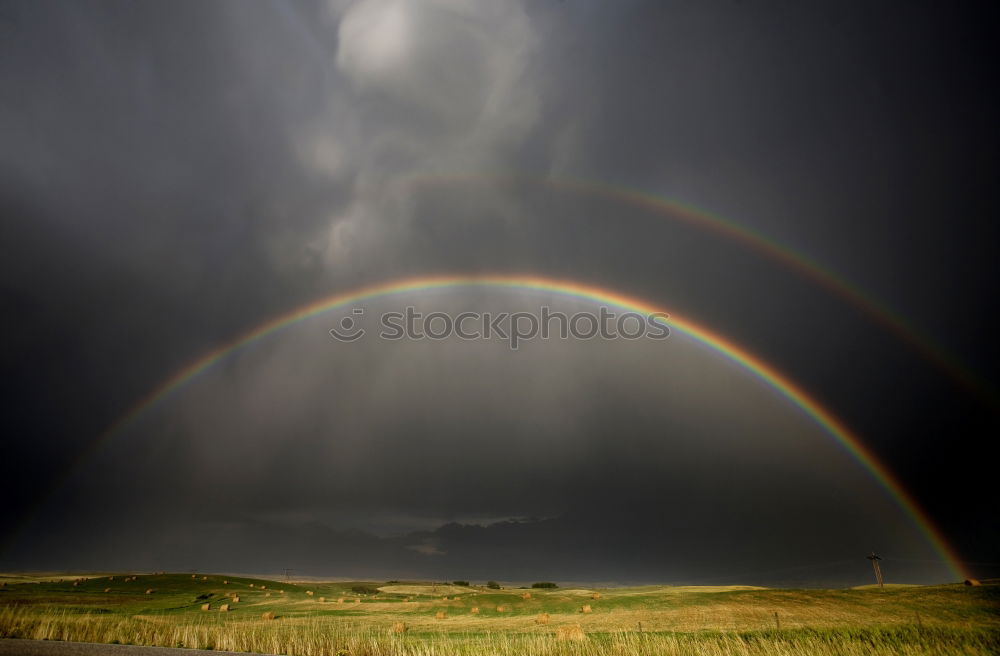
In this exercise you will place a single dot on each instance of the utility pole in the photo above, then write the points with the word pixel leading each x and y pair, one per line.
pixel 288 572
pixel 878 570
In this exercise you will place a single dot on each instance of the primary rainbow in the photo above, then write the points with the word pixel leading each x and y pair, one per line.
pixel 765 372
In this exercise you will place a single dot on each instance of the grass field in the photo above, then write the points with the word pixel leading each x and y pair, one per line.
pixel 327 618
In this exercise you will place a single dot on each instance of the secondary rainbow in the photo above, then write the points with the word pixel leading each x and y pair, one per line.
pixel 767 247
pixel 762 370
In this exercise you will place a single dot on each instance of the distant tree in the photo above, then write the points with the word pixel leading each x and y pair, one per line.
pixel 464 583
pixel 364 589
pixel 544 584
pixel 492 585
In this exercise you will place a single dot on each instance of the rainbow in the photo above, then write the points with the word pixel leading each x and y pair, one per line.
pixel 763 371
pixel 876 310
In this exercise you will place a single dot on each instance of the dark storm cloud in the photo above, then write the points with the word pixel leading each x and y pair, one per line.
pixel 173 173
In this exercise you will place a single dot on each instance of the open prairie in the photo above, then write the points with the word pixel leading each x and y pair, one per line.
pixel 377 618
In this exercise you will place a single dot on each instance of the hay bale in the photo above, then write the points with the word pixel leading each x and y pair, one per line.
pixel 322 600
pixel 399 627
pixel 526 595
pixel 105 589
pixel 263 587
pixel 75 583
pixel 972 582
pixel 194 576
pixel 206 606
pixel 340 601
pixel 251 585
pixel 596 595
pixel 357 601
pixel 267 616
pixel 224 608
pixel 225 583
pixel 149 591
pixel 475 610
pixel 281 592
pixel 269 594
pixel 570 632
pixel 236 599
pixel 111 578
pixel 440 615
pixel 543 618
pixel 204 578
pixel 308 592
pixel 501 609
pixel 586 609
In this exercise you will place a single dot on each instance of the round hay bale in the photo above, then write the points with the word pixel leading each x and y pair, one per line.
pixel 269 615
pixel 236 599
pixel 204 578
pixel 501 609
pixel 972 582
pixel 399 627
pixel 206 606
pixel 526 595
pixel 440 615
pixel 340 601
pixel 596 595
pixel 308 592
pixel 475 610
pixel 543 618
pixel 105 589
pixel 357 601
pixel 322 600
pixel 224 608
pixel 225 583
pixel 586 609
pixel 150 591
pixel 570 632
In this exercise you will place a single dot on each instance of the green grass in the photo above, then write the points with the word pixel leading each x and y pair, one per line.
pixel 722 620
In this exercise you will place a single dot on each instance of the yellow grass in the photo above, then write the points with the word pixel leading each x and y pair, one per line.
pixel 426 590
pixel 646 621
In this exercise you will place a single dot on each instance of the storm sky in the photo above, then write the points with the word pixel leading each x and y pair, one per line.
pixel 173 174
